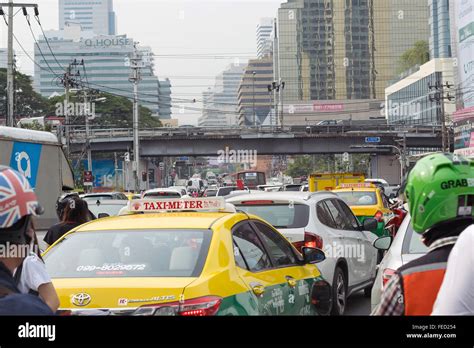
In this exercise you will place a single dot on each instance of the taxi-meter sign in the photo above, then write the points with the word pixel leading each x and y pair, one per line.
pixel 184 204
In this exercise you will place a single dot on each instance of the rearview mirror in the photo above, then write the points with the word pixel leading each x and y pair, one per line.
pixel 370 224
pixel 312 255
pixel 103 215
pixel 383 243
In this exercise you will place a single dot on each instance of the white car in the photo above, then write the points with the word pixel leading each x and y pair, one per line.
pixel 164 193
pixel 182 189
pixel 322 220
pixel 405 247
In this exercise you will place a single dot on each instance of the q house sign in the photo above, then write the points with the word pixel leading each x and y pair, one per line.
pixel 108 42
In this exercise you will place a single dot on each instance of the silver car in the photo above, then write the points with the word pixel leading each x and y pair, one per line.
pixel 405 247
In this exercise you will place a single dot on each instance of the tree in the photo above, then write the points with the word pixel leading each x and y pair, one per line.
pixel 417 55
pixel 303 165
pixel 112 111
pixel 28 103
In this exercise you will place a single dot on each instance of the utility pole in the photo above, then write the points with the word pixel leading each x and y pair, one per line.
pixel 10 121
pixel 136 64
pixel 88 143
pixel 439 98
pixel 68 82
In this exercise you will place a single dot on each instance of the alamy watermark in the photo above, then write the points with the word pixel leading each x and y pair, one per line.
pixel 406 109
pixel 9 250
pixel 348 251
pixel 75 109
pixel 237 156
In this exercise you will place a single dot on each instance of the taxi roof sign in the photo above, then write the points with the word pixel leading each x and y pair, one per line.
pixel 177 204
pixel 357 185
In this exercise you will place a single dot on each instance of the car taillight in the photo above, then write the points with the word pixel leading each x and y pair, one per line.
pixel 378 216
pixel 386 275
pixel 203 306
pixel 311 240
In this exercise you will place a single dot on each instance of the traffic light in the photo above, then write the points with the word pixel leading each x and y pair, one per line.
pixel 127 157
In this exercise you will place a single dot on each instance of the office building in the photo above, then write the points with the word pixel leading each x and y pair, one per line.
pixel 410 101
pixel 264 40
pixel 164 92
pixel 106 65
pixel 337 50
pixel 440 29
pixel 220 102
pixel 255 100
pixel 97 16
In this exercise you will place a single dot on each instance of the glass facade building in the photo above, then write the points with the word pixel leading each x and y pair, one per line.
pixel 94 15
pixel 440 29
pixel 264 41
pixel 410 101
pixel 345 49
pixel 220 102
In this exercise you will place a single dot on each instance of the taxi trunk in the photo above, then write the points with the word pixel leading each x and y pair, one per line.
pixel 366 212
pixel 132 296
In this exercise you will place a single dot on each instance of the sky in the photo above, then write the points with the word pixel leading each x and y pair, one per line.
pixel 177 31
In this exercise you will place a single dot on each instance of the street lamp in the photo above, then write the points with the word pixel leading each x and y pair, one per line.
pixel 400 152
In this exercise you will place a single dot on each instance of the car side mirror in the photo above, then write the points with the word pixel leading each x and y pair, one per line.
pixel 370 224
pixel 103 215
pixel 312 255
pixel 383 243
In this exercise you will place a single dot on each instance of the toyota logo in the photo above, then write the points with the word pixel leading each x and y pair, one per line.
pixel 81 299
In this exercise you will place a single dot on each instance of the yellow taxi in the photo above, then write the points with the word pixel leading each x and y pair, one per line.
pixel 189 257
pixel 366 201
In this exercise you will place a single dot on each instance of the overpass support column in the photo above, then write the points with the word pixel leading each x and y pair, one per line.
pixel 385 167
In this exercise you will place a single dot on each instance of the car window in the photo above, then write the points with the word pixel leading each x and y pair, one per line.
pixel 249 249
pixel 280 250
pixel 281 215
pixel 339 216
pixel 384 201
pixel 413 242
pixel 324 215
pixel 349 215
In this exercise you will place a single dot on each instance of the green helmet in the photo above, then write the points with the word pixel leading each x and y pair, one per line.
pixel 440 188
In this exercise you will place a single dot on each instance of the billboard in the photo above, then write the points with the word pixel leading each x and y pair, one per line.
pixel 103 172
pixel 464 23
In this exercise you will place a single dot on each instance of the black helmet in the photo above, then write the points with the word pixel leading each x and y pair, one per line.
pixel 63 201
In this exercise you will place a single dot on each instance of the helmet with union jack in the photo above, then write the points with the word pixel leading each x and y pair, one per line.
pixel 18 202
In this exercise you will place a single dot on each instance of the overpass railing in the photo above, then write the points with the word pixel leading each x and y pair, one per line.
pixel 78 133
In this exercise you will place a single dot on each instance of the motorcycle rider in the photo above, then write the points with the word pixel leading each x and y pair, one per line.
pixel 18 203
pixel 439 191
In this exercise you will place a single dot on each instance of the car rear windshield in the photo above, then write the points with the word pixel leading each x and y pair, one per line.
pixel 98 197
pixel 104 208
pixel 224 191
pixel 355 198
pixel 130 253
pixel 280 215
pixel 162 194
